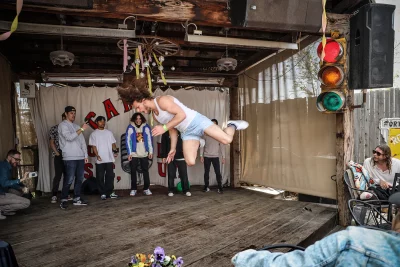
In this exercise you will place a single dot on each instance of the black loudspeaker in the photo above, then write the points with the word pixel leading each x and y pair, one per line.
pixel 372 47
pixel 277 15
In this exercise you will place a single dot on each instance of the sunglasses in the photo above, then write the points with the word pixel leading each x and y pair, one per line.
pixel 377 153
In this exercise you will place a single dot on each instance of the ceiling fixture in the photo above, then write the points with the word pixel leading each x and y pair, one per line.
pixel 226 63
pixel 82 78
pixel 192 80
pixel 197 37
pixel 62 57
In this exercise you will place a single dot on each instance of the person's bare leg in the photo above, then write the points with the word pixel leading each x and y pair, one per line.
pixel 190 148
pixel 223 136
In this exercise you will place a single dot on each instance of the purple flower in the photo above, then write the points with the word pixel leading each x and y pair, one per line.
pixel 156 265
pixel 178 262
pixel 159 254
pixel 133 260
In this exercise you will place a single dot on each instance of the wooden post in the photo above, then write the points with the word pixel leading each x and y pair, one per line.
pixel 344 126
pixel 235 145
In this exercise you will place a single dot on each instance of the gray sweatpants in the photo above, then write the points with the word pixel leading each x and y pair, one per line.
pixel 11 202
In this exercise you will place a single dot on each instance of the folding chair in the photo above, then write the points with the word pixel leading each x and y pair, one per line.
pixel 369 213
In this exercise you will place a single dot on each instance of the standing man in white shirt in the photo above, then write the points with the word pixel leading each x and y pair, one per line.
pixel 209 154
pixel 105 148
pixel 382 169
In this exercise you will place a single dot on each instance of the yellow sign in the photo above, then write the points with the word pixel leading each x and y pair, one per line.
pixel 394 142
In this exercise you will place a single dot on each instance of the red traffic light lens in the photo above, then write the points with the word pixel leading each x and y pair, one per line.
pixel 331 76
pixel 333 51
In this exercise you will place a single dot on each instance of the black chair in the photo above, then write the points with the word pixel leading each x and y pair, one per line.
pixel 369 213
pixel 7 256
pixel 355 192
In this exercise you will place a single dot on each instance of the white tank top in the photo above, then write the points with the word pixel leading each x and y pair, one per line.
pixel 164 117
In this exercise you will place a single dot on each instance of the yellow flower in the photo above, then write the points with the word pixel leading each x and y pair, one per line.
pixel 141 264
pixel 173 257
pixel 142 257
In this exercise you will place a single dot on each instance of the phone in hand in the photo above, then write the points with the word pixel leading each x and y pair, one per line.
pixel 33 174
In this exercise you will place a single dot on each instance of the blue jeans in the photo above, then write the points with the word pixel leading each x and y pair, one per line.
pixel 73 169
pixel 353 247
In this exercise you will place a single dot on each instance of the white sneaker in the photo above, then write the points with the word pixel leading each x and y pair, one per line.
pixel 103 197
pixel 239 124
pixel 170 194
pixel 202 142
pixel 147 192
pixel 54 199
pixel 133 193
pixel 188 194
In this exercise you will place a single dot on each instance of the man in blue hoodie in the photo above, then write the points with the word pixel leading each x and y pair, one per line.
pixel 9 203
pixel 74 152
pixel 139 145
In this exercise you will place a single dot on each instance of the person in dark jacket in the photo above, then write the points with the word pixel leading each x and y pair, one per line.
pixel 179 161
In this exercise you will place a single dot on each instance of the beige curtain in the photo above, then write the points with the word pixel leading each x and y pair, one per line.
pixel 289 144
pixel 6 115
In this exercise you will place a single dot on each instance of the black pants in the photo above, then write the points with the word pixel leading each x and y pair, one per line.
pixel 182 169
pixel 105 178
pixel 59 169
pixel 144 163
pixel 207 165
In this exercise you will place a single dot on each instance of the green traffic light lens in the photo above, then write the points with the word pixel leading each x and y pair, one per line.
pixel 332 101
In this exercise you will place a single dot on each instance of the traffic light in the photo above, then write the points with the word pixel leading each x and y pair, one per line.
pixel 333 76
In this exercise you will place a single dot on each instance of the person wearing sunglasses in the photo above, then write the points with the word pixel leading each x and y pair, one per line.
pixel 382 168
pixel 9 202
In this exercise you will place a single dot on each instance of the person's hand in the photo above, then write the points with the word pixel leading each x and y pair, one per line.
pixel 99 158
pixel 115 155
pixel 150 156
pixel 201 159
pixel 129 157
pixel 223 160
pixel 157 130
pixel 86 160
pixel 57 154
pixel 164 160
pixel 26 176
pixel 171 155
pixel 84 126
pixel 384 184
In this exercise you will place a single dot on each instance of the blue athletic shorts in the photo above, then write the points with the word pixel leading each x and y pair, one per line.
pixel 196 128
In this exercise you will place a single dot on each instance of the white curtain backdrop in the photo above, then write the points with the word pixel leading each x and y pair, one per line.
pixel 49 105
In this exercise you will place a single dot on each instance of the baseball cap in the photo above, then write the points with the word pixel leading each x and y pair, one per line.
pixel 69 109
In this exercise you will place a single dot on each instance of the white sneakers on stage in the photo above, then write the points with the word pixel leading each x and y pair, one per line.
pixel 239 124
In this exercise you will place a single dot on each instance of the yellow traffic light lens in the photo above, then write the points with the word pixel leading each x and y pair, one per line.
pixel 331 76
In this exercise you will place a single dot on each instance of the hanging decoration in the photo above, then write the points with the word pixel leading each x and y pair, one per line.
pixel 324 22
pixel 14 24
pixel 150 53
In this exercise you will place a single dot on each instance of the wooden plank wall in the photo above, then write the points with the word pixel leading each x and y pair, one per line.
pixel 380 104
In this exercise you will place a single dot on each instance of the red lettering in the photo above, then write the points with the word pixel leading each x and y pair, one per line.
pixel 127 107
pixel 90 152
pixel 162 167
pixel 89 117
pixel 88 170
pixel 110 109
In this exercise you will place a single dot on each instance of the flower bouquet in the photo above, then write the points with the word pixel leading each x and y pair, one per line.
pixel 157 259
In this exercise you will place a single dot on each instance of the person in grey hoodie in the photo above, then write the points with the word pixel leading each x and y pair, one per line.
pixel 209 154
pixel 74 153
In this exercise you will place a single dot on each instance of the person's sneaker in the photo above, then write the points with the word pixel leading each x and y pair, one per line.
pixel 147 192
pixel 9 213
pixel 53 199
pixel 202 142
pixel 188 194
pixel 80 202
pixel 2 217
pixel 103 197
pixel 64 205
pixel 133 193
pixel 113 195
pixel 69 198
pixel 239 124
pixel 170 194
pixel 206 189
pixel 220 191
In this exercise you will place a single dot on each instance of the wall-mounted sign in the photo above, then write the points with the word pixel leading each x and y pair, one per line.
pixel 27 88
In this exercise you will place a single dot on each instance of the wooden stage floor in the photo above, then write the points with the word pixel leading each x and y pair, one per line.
pixel 206 229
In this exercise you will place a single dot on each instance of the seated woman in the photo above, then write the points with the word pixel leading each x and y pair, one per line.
pixel 173 115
